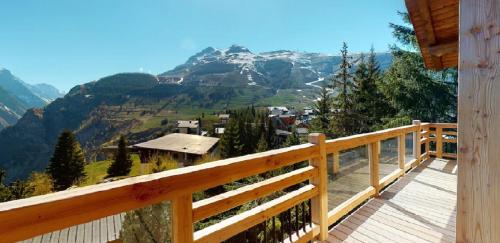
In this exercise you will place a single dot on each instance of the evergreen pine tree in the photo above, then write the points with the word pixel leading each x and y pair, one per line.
pixel 414 91
pixel 344 117
pixel 370 104
pixel 122 164
pixel 262 145
pixel 322 123
pixel 293 139
pixel 230 143
pixel 67 163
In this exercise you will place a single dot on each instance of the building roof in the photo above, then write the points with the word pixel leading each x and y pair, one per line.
pixel 225 116
pixel 436 26
pixel 188 124
pixel 180 142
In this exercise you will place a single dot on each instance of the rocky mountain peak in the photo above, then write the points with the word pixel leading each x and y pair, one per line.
pixel 237 49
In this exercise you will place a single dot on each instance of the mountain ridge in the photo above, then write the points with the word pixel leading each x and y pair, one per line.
pixel 137 104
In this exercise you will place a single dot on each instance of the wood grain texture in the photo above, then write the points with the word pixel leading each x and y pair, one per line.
pixel 29 217
pixel 374 159
pixel 319 204
pixel 478 218
pixel 225 201
pixel 182 219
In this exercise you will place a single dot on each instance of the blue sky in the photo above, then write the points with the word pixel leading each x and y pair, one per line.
pixel 69 42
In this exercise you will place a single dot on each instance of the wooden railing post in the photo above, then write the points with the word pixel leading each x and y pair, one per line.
pixel 428 143
pixel 182 219
pixel 319 204
pixel 336 163
pixel 402 152
pixel 373 156
pixel 416 141
pixel 439 142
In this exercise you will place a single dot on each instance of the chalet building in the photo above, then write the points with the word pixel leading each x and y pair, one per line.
pixel 182 147
pixel 302 131
pixel 189 127
pixel 223 119
pixel 277 110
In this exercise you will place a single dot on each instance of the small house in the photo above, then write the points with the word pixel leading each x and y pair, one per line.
pixel 182 147
pixel 189 127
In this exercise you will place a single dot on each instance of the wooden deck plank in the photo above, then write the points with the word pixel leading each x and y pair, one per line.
pixel 103 230
pixel 87 238
pixel 63 235
pixel 80 233
pixel 111 228
pixel 72 234
pixel 419 207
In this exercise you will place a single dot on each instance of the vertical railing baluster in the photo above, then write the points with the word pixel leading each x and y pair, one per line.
pixel 289 216
pixel 310 212
pixel 297 219
pixel 274 229
pixel 265 231
pixel 182 215
pixel 304 216
pixel 282 226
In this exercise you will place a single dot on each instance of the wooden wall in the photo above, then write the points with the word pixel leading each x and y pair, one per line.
pixel 478 213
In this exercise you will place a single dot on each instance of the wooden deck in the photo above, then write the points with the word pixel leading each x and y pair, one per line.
pixel 98 231
pixel 419 207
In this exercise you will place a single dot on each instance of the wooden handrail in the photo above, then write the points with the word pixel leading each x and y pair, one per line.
pixel 25 218
pixel 22 219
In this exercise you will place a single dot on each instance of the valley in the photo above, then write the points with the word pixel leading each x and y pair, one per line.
pixel 144 106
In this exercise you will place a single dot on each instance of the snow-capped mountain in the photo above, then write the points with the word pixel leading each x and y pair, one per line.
pixel 237 65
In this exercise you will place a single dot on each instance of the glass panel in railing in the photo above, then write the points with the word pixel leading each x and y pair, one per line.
pixel 409 156
pixel 388 157
pixel 348 174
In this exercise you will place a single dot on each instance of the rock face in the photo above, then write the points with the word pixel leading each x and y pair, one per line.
pixel 136 104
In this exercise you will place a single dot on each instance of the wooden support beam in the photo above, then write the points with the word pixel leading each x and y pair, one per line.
pixel 441 49
pixel 374 157
pixel 439 142
pixel 336 163
pixel 319 203
pixel 478 196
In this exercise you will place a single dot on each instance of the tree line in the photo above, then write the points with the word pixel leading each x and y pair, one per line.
pixel 366 99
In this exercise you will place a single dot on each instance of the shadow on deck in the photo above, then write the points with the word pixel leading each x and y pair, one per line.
pixel 420 206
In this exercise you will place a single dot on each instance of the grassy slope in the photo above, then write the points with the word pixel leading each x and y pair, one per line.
pixel 97 171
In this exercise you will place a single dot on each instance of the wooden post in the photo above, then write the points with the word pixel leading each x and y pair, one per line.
pixel 319 204
pixel 416 141
pixel 428 143
pixel 336 163
pixel 182 219
pixel 373 156
pixel 402 152
pixel 478 197
pixel 439 142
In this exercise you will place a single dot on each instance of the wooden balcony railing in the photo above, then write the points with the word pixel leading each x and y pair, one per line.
pixel 26 218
